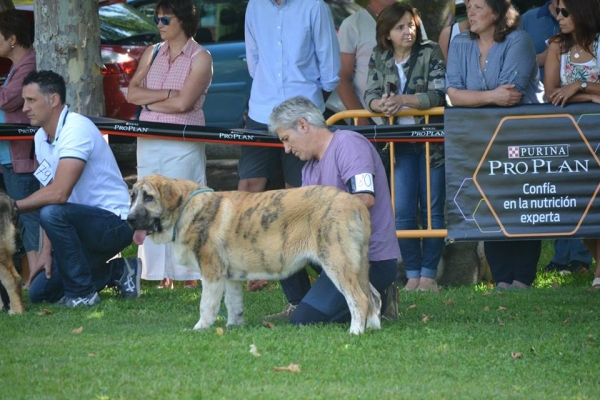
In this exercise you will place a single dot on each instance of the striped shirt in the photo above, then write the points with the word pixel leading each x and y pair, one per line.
pixel 165 75
pixel 510 62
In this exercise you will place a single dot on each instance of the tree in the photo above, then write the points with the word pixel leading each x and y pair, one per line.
pixel 67 41
pixel 6 5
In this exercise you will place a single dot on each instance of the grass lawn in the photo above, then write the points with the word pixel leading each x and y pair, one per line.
pixel 468 342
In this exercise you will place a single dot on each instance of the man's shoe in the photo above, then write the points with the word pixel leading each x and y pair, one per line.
pixel 281 316
pixel 391 312
pixel 578 267
pixel 552 266
pixel 129 284
pixel 72 302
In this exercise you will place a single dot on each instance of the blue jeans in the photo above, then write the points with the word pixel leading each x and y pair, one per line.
pixel 83 239
pixel 566 250
pixel 322 302
pixel 421 256
pixel 19 186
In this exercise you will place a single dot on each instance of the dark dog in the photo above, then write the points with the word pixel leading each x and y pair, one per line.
pixel 8 274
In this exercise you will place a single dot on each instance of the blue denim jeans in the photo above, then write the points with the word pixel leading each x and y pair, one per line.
pixel 421 256
pixel 83 239
pixel 566 250
pixel 19 186
pixel 322 302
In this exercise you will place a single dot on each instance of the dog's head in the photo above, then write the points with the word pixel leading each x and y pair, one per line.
pixel 155 204
pixel 8 207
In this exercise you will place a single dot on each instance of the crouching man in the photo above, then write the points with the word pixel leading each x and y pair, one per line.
pixel 83 202
pixel 348 161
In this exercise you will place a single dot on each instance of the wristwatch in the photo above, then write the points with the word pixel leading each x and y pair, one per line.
pixel 583 86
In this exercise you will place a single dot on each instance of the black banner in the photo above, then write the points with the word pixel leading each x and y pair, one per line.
pixel 523 172
pixel 381 133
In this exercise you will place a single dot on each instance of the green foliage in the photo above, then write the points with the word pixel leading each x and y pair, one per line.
pixel 469 342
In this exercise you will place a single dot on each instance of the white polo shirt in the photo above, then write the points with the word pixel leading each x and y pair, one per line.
pixel 101 184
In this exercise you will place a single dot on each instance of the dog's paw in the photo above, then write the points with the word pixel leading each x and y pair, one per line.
pixel 356 329
pixel 374 322
pixel 235 322
pixel 202 325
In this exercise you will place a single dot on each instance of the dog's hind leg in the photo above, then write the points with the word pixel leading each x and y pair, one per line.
pixel 348 283
pixel 12 283
pixel 234 301
pixel 374 313
pixel 212 293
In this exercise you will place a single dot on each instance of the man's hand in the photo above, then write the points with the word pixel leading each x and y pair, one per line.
pixel 44 261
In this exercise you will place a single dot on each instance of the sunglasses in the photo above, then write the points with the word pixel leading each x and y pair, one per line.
pixel 165 20
pixel 565 13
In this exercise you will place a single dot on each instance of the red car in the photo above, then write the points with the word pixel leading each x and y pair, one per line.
pixel 124 35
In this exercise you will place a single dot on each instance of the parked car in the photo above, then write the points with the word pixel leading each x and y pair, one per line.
pixel 124 35
pixel 221 31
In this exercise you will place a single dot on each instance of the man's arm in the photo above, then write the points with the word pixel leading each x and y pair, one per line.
pixel 327 49
pixel 68 172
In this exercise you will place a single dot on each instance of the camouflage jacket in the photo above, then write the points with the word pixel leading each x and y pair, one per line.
pixel 427 82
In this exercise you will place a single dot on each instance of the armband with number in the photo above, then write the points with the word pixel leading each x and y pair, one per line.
pixel 361 183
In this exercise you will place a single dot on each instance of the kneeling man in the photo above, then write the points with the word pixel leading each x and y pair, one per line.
pixel 348 161
pixel 83 202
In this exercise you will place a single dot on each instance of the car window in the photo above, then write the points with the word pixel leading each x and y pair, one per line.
pixel 124 25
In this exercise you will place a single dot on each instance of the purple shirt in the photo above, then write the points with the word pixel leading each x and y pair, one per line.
pixel 349 154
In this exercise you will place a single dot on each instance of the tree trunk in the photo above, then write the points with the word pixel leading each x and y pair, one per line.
pixel 67 41
pixel 6 5
pixel 435 14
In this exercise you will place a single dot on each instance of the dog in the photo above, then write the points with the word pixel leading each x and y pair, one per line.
pixel 236 236
pixel 9 277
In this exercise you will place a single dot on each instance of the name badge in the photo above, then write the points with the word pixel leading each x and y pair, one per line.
pixel 44 173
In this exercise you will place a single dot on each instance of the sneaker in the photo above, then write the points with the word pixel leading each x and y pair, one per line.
pixel 72 302
pixel 577 267
pixel 391 312
pixel 552 266
pixel 129 284
pixel 281 316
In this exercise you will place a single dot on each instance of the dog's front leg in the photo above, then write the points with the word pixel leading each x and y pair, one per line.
pixel 234 301
pixel 12 283
pixel 212 293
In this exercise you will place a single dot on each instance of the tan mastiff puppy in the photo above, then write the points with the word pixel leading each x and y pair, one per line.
pixel 8 274
pixel 236 236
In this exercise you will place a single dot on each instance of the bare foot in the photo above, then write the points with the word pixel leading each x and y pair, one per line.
pixel 412 284
pixel 166 283
pixel 427 284
pixel 190 284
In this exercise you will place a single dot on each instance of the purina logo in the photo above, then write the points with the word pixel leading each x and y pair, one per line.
pixel 550 150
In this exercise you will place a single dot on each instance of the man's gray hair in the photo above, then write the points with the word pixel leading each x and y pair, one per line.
pixel 287 114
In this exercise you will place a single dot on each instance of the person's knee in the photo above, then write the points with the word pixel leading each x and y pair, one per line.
pixel 306 314
pixel 35 294
pixel 50 214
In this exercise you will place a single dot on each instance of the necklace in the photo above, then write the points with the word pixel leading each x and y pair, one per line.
pixel 576 54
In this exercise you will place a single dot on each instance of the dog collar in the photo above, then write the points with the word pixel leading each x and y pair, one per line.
pixel 195 192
